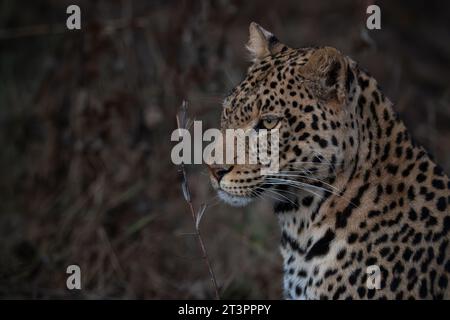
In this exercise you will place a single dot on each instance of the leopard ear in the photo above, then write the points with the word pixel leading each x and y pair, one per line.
pixel 331 71
pixel 262 43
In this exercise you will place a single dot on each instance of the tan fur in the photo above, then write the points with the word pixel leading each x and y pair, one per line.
pixel 354 189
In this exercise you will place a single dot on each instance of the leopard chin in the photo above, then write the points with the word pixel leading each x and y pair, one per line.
pixel 233 200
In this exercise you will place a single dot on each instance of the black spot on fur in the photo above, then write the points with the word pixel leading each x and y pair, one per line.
pixel 282 206
pixel 333 73
pixel 349 79
pixel 307 201
pixel 341 217
pixel 322 246
pixel 441 204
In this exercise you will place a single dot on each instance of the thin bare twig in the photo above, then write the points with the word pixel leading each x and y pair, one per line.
pixel 183 123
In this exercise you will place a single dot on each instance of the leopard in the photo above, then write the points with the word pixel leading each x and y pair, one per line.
pixel 363 209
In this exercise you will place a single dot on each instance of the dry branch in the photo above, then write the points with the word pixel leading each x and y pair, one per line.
pixel 183 123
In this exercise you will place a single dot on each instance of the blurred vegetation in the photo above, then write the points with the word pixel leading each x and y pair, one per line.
pixel 86 117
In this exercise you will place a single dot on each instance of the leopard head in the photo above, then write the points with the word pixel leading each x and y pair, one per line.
pixel 307 94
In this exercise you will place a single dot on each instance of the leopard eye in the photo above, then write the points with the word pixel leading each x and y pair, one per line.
pixel 269 123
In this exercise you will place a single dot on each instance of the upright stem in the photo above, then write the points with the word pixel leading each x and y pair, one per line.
pixel 199 237
pixel 182 123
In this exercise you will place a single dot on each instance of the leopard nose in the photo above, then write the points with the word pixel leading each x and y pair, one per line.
pixel 218 171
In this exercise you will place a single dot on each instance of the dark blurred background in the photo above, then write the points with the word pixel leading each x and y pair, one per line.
pixel 86 118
